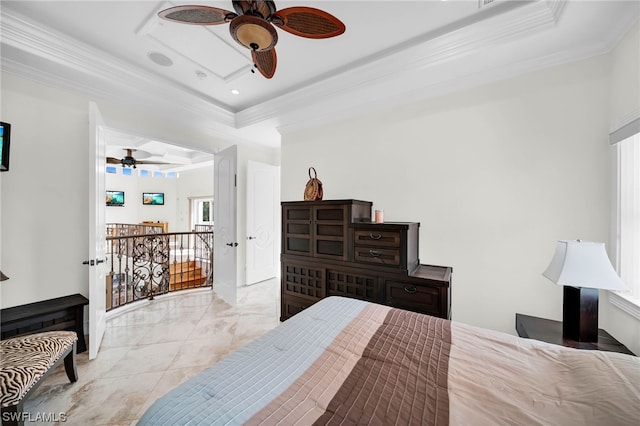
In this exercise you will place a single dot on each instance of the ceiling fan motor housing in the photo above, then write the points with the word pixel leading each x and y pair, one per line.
pixel 253 32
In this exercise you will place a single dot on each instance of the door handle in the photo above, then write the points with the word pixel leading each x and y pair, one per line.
pixel 232 244
pixel 89 262
pixel 252 238
pixel 100 261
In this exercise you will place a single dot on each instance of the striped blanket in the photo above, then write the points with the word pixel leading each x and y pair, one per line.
pixel 344 361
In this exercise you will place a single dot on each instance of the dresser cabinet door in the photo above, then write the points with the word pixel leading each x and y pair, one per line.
pixel 301 280
pixel 341 282
pixel 330 227
pixel 297 230
pixel 316 230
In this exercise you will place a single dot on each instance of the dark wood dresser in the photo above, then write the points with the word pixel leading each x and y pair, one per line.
pixel 61 313
pixel 331 248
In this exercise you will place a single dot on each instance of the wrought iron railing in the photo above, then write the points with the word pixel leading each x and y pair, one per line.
pixel 143 265
pixel 125 229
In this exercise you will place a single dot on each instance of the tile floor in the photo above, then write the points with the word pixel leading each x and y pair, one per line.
pixel 150 350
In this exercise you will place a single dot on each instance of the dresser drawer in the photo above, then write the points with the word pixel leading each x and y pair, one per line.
pixel 377 238
pixel 377 256
pixel 415 297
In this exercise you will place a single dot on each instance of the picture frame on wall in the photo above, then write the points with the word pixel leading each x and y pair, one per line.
pixel 153 198
pixel 115 198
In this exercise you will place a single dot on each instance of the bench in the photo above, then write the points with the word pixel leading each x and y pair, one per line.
pixel 25 361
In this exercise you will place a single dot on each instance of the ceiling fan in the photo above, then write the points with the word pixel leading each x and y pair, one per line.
pixel 252 25
pixel 129 161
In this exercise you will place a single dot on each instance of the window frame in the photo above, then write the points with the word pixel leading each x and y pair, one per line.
pixel 195 213
pixel 629 303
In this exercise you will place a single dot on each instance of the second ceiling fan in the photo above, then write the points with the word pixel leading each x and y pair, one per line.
pixel 129 161
pixel 252 25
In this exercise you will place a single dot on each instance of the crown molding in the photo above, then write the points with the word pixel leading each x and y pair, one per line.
pixel 492 26
pixel 124 78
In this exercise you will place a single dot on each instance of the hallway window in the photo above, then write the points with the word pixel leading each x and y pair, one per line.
pixel 201 211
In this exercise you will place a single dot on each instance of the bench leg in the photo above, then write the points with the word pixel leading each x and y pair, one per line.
pixel 12 416
pixel 70 365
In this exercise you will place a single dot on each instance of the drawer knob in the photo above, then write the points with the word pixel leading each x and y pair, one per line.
pixel 374 253
pixel 375 236
pixel 410 290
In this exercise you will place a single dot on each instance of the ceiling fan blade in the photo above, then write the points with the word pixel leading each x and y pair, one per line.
pixel 262 7
pixel 197 15
pixel 113 160
pixel 154 162
pixel 265 61
pixel 308 22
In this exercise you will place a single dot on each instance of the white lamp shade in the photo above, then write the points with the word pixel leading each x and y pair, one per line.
pixel 583 264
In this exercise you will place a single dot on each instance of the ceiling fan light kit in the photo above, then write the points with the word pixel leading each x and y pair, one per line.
pixel 252 25
pixel 253 33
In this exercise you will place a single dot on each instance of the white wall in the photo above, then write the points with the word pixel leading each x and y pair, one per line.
pixel 133 210
pixel 44 207
pixel 175 211
pixel 495 175
pixel 625 79
pixel 44 193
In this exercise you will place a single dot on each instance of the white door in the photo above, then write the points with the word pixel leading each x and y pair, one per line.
pixel 225 242
pixel 263 224
pixel 97 230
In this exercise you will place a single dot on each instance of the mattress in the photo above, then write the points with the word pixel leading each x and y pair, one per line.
pixel 345 361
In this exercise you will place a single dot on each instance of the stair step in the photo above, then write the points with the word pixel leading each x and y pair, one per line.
pixel 176 268
pixel 185 275
pixel 187 284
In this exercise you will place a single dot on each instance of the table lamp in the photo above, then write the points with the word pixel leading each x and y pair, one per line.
pixel 583 268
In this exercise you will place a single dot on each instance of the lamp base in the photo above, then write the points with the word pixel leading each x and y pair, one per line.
pixel 580 314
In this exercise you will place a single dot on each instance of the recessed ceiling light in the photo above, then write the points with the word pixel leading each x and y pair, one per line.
pixel 235 91
pixel 160 59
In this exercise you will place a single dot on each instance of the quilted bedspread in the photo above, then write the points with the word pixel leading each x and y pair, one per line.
pixel 345 361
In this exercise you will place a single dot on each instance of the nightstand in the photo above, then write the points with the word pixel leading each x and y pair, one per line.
pixel 550 331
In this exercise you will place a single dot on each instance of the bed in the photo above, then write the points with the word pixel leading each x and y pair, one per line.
pixel 345 361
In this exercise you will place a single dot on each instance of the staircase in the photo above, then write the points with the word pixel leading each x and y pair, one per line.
pixel 184 275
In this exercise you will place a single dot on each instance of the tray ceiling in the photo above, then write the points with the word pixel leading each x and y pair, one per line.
pixel 392 52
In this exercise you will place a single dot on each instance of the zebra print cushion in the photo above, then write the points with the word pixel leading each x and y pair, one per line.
pixel 24 359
